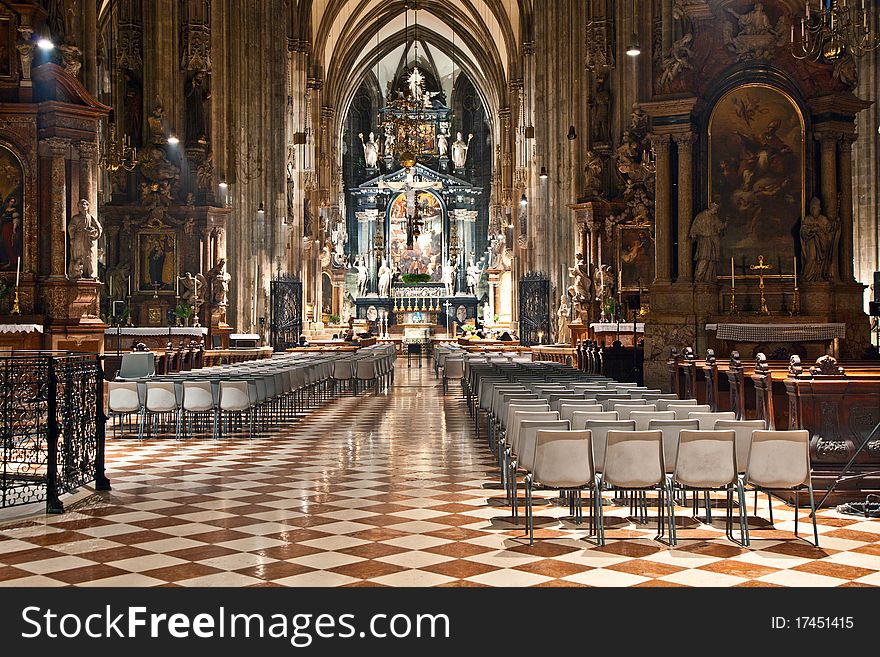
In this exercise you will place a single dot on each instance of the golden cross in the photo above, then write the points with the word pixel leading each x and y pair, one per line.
pixel 761 268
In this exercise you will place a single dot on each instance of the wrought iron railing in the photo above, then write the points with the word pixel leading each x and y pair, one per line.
pixel 52 426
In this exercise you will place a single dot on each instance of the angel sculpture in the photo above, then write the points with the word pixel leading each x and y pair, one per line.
pixel 678 59
pixel 193 289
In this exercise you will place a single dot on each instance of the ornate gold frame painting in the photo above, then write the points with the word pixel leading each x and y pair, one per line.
pixel 757 171
pixel 426 256
pixel 11 211
pixel 157 262
pixel 635 257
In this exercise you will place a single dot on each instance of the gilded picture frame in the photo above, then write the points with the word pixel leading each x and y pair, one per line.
pixel 635 257
pixel 757 171
pixel 157 262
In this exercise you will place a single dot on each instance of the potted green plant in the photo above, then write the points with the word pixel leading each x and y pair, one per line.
pixel 183 312
pixel 334 320
pixel 416 279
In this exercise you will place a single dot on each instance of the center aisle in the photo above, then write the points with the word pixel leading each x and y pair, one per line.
pixel 390 489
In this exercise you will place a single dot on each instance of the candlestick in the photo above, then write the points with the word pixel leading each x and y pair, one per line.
pixel 17 271
pixel 15 309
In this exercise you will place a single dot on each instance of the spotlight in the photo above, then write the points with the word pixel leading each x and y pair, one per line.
pixel 572 133
pixel 633 49
pixel 524 201
pixel 174 141
pixel 224 184
pixel 45 44
pixel 261 210
pixel 543 175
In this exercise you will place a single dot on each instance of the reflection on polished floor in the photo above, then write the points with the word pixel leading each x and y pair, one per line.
pixel 390 489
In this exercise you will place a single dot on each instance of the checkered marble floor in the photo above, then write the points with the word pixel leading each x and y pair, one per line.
pixel 383 490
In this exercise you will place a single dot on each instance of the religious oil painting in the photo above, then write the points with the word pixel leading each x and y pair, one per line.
pixel 8 52
pixel 157 256
pixel 426 254
pixel 756 171
pixel 11 211
pixel 635 257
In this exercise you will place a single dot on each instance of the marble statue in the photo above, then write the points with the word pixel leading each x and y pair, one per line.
pixel 117 278
pixel 498 255
pixel 755 37
pixel 563 317
pixel 218 279
pixel 443 143
pixel 706 231
pixel 818 240
pixel 460 150
pixel 416 83
pixel 361 277
pixel 385 274
pixel 449 278
pixel 581 289
pixel 371 150
pixel 84 231
pixel 474 272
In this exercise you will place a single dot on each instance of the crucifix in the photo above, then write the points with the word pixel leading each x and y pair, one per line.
pixel 761 268
pixel 410 187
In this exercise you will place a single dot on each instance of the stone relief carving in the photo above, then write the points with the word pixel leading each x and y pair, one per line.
pixel 678 59
pixel 751 34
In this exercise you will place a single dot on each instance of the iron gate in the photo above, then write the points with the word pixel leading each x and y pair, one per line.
pixel 534 309
pixel 287 312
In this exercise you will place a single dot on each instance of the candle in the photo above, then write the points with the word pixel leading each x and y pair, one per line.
pixel 129 286
pixel 176 286
pixel 794 262
pixel 732 274
pixel 17 271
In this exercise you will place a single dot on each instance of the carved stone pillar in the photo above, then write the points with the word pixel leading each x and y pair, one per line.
pixel 846 207
pixel 595 233
pixel 88 156
pixel 57 149
pixel 662 208
pixel 218 246
pixel 685 143
pixel 205 262
pixel 828 149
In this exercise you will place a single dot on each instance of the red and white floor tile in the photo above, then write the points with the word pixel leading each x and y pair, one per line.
pixel 383 490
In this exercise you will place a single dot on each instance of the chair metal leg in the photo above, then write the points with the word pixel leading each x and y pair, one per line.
pixel 529 509
pixel 813 515
pixel 797 510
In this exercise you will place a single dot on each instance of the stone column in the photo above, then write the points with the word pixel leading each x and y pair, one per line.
pixel 846 207
pixel 90 50
pixel 57 149
pixel 828 183
pixel 88 155
pixel 662 211
pixel 205 251
pixel 685 143
pixel 595 230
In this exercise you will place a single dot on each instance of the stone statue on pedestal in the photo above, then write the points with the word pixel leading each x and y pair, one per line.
pixel 581 289
pixel 84 231
pixel 219 278
pixel 361 277
pixel 474 272
pixel 443 143
pixel 818 242
pixel 460 150
pixel 385 274
pixel 563 318
pixel 371 150
pixel 449 278
pixel 706 231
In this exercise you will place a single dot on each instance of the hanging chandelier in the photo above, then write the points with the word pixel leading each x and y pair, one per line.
pixel 118 154
pixel 406 111
pixel 832 28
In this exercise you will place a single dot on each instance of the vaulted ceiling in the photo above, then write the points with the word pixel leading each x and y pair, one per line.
pixel 349 38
